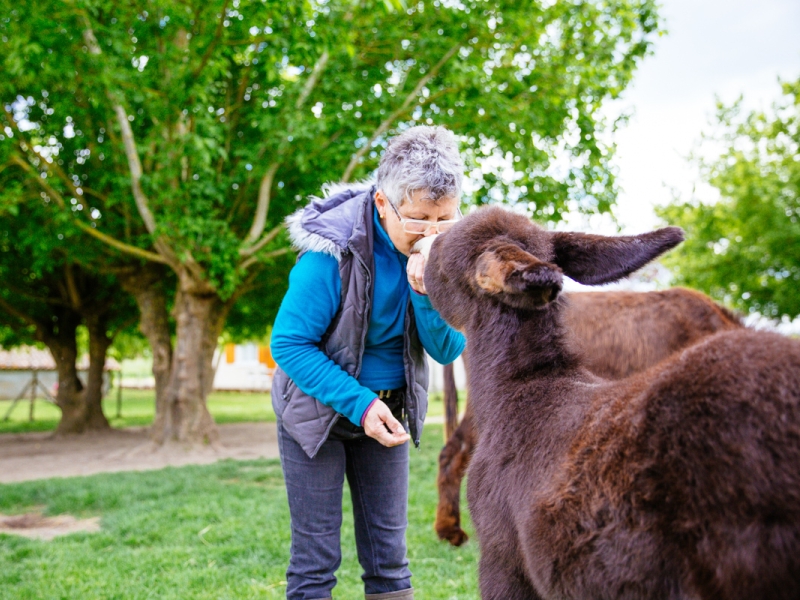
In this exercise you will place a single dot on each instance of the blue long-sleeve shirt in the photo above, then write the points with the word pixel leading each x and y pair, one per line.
pixel 312 302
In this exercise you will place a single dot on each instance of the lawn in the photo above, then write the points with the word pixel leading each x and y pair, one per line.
pixel 137 409
pixel 218 531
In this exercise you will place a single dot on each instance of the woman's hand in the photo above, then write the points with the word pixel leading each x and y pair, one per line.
pixel 416 271
pixel 380 424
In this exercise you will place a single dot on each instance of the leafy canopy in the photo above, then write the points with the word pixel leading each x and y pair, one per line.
pixel 234 106
pixel 745 248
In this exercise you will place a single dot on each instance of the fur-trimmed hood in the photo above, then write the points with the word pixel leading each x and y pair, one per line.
pixel 326 224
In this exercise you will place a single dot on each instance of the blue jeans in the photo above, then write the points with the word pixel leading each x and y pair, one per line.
pixel 378 480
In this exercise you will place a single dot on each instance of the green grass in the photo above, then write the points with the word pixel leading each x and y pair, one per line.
pixel 138 407
pixel 216 532
pixel 137 410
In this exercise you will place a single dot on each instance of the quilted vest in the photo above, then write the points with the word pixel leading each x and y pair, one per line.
pixel 342 225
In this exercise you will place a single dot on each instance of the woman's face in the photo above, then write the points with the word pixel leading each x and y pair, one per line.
pixel 416 206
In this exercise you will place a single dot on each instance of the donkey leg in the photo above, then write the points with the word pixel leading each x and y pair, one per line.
pixel 453 462
pixel 501 581
pixel 450 401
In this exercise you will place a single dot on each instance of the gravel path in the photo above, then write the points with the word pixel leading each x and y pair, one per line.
pixel 26 456
pixel 29 456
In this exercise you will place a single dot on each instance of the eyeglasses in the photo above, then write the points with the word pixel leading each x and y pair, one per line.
pixel 418 226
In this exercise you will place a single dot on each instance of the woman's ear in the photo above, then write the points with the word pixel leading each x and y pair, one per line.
pixel 380 203
pixel 595 259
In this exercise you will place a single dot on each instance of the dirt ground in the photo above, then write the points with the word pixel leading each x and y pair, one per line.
pixel 29 456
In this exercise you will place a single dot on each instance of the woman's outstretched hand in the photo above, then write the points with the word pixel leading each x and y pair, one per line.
pixel 381 425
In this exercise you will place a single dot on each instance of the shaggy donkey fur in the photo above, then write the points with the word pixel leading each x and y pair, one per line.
pixel 617 333
pixel 679 482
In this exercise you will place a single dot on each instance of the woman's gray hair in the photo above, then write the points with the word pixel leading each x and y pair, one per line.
pixel 421 158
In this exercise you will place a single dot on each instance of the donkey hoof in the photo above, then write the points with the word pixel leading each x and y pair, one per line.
pixel 454 535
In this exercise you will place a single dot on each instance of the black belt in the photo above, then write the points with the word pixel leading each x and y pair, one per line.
pixel 343 429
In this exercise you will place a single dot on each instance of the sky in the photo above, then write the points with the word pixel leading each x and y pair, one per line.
pixel 712 48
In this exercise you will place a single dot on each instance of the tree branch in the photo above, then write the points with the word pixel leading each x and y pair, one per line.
pixel 262 242
pixel 72 287
pixel 322 62
pixel 255 259
pixel 90 192
pixel 135 167
pixel 17 291
pixel 122 246
pixel 383 127
pixel 25 146
pixel 265 189
pixel 134 164
pixel 254 41
pixel 234 111
pixel 86 228
pixel 264 193
pixel 212 46
pixel 246 285
pixel 24 317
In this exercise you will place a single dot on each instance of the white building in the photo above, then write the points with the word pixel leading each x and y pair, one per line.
pixel 243 368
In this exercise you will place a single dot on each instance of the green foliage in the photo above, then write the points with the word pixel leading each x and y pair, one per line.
pixel 745 248
pixel 49 269
pixel 216 92
pixel 34 297
pixel 128 343
pixel 218 531
pixel 259 302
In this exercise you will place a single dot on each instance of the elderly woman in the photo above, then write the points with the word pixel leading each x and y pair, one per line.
pixel 350 341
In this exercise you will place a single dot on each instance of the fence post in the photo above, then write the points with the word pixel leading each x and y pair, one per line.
pixel 119 394
pixel 34 383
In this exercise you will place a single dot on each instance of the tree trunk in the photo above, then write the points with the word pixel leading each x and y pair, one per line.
pixel 70 397
pixel 146 286
pixel 99 343
pixel 200 316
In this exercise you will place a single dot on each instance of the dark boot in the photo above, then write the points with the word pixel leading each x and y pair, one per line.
pixel 400 595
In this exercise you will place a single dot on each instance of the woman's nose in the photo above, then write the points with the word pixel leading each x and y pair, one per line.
pixel 432 230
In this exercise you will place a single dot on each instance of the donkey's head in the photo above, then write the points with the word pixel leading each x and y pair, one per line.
pixel 495 257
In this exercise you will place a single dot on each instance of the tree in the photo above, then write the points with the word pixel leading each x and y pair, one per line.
pixel 53 281
pixel 46 294
pixel 744 249
pixel 185 132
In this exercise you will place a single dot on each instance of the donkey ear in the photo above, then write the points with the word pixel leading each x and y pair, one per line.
pixel 595 259
pixel 517 277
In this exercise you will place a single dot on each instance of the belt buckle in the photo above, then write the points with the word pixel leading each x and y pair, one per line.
pixel 384 394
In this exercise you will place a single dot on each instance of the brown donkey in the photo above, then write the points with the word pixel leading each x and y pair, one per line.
pixel 679 482
pixel 617 333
